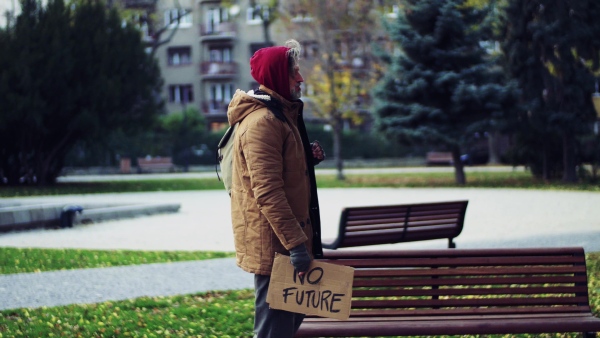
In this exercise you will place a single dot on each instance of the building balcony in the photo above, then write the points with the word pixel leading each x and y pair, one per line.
pixel 215 108
pixel 215 114
pixel 218 70
pixel 356 64
pixel 139 3
pixel 224 31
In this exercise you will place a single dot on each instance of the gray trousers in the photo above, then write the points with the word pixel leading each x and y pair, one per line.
pixel 271 323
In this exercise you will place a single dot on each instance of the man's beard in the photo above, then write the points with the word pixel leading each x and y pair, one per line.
pixel 296 94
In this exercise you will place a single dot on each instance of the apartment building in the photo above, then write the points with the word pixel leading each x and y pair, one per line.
pixel 207 47
pixel 207 58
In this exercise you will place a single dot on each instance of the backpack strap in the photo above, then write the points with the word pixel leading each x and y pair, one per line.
pixel 224 140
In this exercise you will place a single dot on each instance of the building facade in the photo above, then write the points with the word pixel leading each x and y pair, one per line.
pixel 207 58
pixel 203 48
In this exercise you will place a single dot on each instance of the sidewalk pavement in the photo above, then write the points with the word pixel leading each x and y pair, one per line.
pixel 495 218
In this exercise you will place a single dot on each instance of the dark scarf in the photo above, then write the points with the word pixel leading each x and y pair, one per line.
pixel 273 105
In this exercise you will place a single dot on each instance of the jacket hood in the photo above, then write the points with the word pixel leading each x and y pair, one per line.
pixel 243 104
pixel 269 67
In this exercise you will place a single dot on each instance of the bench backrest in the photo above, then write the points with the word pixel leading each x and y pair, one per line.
pixel 466 281
pixel 154 160
pixel 400 223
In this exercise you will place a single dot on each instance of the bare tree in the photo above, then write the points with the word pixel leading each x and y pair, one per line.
pixel 342 30
pixel 144 13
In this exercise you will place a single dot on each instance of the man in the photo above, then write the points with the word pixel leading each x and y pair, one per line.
pixel 274 205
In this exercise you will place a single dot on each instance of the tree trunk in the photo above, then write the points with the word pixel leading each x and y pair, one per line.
pixel 494 158
pixel 459 170
pixel 48 167
pixel 545 171
pixel 46 175
pixel 336 120
pixel 569 171
pixel 266 33
pixel 337 149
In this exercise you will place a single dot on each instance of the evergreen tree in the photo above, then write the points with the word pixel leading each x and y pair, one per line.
pixel 69 75
pixel 441 86
pixel 551 47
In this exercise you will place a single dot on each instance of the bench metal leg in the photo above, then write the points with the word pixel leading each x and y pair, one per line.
pixel 451 244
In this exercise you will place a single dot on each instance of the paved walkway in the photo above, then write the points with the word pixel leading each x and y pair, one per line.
pixel 495 218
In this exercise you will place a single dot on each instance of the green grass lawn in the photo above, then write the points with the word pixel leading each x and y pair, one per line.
pixel 512 179
pixel 18 260
pixel 213 314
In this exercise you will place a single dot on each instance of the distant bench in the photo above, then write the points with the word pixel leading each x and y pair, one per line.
pixel 462 292
pixel 360 226
pixel 436 157
pixel 155 164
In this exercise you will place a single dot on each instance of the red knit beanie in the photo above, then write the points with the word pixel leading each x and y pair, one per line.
pixel 269 67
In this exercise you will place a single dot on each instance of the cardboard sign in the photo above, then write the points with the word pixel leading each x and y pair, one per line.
pixel 325 290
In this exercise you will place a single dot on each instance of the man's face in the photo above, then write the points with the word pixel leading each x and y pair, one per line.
pixel 295 80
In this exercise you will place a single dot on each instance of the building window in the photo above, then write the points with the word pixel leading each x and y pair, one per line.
pixel 256 46
pixel 220 95
pixel 179 56
pixel 220 54
pixel 309 89
pixel 181 93
pixel 256 13
pixel 184 15
pixel 301 16
pixel 393 12
pixel 310 49
pixel 341 47
pixel 214 17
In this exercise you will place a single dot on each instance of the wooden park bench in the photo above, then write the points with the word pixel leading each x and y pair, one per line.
pixel 462 292
pixel 155 164
pixel 360 226
pixel 438 157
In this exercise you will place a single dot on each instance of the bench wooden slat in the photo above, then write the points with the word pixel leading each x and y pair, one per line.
pixel 155 163
pixel 438 157
pixel 468 281
pixel 465 313
pixel 401 211
pixel 372 237
pixel 468 316
pixel 340 256
pixel 462 291
pixel 373 227
pixel 452 262
pixel 448 292
pixel 501 272
pixel 446 303
pixel 455 327
pixel 395 223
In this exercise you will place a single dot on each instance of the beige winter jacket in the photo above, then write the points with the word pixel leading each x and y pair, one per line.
pixel 270 193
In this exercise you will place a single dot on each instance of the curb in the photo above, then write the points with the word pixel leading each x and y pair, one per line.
pixel 16 216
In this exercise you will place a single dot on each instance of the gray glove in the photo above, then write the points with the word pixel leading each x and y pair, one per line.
pixel 300 258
